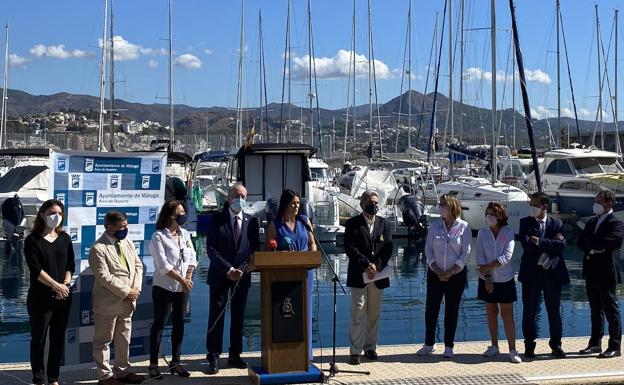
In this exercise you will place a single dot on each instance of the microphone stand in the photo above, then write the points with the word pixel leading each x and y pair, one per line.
pixel 333 368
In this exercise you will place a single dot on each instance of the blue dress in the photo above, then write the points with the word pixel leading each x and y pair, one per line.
pixel 298 242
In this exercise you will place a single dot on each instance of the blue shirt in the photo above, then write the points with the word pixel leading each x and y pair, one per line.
pixel 298 238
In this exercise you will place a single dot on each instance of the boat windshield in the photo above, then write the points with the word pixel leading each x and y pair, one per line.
pixel 318 173
pixel 596 165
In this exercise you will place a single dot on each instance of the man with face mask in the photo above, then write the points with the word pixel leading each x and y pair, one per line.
pixel 233 237
pixel 118 273
pixel 542 270
pixel 368 245
pixel 601 243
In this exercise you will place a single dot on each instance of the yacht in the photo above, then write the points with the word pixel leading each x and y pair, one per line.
pixel 572 177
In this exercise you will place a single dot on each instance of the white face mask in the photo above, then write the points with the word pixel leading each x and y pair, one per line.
pixel 54 220
pixel 598 208
pixel 491 220
pixel 535 211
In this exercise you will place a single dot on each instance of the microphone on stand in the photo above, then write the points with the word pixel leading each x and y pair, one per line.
pixel 289 243
pixel 273 244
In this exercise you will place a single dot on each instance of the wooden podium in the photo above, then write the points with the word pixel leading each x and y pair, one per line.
pixel 284 304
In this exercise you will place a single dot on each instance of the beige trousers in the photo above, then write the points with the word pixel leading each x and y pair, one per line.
pixel 115 329
pixel 365 313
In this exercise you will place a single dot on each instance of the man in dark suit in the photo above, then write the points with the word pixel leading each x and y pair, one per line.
pixel 232 239
pixel 601 242
pixel 542 270
pixel 368 245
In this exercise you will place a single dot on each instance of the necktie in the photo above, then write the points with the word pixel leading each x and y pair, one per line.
pixel 122 257
pixel 236 229
pixel 542 228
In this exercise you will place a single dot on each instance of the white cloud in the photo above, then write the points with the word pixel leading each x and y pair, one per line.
pixel 208 51
pixel 534 76
pixel 124 50
pixel 58 52
pixel 338 66
pixel 542 112
pixel 152 63
pixel 16 60
pixel 188 61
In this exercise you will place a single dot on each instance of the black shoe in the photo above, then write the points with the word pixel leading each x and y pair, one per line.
pixel 354 359
pixel 370 354
pixel 213 367
pixel 237 362
pixel 558 352
pixel 591 350
pixel 529 353
pixel 177 368
pixel 155 373
pixel 610 353
pixel 131 378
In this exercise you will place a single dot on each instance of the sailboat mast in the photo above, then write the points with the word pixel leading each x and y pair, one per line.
pixel 260 65
pixel 354 73
pixel 5 85
pixel 286 66
pixel 461 73
pixel 618 148
pixel 171 124
pixel 450 48
pixel 370 75
pixel 100 143
pixel 599 78
pixel 409 75
pixel 558 140
pixel 288 125
pixel 239 94
pixel 493 41
pixel 513 95
pixel 111 83
pixel 310 93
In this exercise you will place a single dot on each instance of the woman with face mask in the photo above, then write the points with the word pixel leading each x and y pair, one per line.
pixel 447 248
pixel 497 288
pixel 174 262
pixel 50 257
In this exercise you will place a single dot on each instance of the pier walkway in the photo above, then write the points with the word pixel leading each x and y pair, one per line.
pixel 397 365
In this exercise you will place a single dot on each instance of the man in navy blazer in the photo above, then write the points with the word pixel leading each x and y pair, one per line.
pixel 542 270
pixel 233 237
pixel 368 245
pixel 601 243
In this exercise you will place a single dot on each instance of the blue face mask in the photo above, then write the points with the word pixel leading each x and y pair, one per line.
pixel 181 219
pixel 237 204
pixel 121 234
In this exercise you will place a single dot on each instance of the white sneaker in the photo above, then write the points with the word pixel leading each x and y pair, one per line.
pixel 491 351
pixel 514 357
pixel 448 352
pixel 426 350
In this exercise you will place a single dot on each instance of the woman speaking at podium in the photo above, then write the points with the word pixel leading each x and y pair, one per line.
pixel 292 231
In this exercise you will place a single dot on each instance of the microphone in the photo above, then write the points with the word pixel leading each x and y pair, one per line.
pixel 289 243
pixel 273 244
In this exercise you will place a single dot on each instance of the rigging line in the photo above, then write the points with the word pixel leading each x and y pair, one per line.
pixel 503 97
pixel 435 92
pixel 286 60
pixel 396 145
pixel 318 110
pixel 606 74
pixel 424 95
pixel 565 47
pixel 375 89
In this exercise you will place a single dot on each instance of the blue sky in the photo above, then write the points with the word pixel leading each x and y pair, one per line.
pixel 54 47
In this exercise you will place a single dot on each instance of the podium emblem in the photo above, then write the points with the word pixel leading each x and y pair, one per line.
pixel 287 309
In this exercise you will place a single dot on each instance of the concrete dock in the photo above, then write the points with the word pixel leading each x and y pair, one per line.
pixel 397 365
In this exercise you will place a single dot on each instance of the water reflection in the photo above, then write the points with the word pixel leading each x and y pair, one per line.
pixel 402 312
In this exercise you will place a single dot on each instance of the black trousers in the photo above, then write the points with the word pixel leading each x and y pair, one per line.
pixel 47 314
pixel 218 301
pixel 167 302
pixel 544 282
pixel 451 291
pixel 603 304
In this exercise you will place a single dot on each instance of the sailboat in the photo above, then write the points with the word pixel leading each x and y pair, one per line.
pixel 476 193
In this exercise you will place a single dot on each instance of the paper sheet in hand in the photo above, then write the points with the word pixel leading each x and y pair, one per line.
pixel 385 273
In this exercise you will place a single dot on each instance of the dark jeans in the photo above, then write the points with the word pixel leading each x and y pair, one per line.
pixel 545 282
pixel 166 302
pixel 218 301
pixel 452 291
pixel 603 304
pixel 47 314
